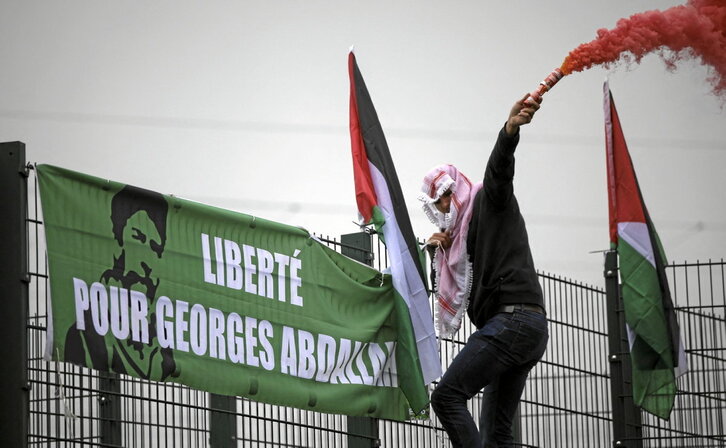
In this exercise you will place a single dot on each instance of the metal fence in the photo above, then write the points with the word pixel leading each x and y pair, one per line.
pixel 576 396
pixel 699 415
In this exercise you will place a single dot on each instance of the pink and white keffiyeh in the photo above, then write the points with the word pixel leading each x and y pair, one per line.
pixel 453 269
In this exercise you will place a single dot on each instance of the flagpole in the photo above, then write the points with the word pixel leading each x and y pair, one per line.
pixel 627 426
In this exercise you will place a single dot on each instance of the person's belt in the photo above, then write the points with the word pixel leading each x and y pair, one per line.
pixel 522 307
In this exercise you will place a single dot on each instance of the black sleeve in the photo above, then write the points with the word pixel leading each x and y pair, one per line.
pixel 500 169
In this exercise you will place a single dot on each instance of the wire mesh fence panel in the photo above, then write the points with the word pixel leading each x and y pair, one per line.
pixel 698 418
pixel 566 401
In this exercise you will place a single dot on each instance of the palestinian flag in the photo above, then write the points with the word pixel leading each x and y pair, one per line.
pixel 656 351
pixel 380 201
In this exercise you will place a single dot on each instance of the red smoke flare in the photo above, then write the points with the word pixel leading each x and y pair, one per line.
pixel 696 29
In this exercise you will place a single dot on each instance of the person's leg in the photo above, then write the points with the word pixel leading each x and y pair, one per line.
pixel 481 360
pixel 488 412
pixel 504 407
pixel 529 344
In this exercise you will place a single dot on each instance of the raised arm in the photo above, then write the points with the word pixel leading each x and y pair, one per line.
pixel 500 168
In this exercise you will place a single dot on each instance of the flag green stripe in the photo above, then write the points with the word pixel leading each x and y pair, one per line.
pixel 652 360
pixel 409 366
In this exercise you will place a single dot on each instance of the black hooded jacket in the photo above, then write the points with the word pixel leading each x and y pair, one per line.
pixel 497 242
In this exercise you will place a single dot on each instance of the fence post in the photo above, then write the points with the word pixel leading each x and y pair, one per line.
pixel 222 421
pixel 362 431
pixel 627 430
pixel 14 283
pixel 109 394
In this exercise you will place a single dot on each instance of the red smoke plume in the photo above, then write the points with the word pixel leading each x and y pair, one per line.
pixel 696 29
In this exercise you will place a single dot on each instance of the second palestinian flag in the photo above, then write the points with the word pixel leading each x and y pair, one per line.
pixel 655 346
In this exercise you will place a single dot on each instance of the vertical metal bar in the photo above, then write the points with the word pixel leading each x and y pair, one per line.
pixel 222 425
pixel 36 315
pixel 627 426
pixel 633 419
pixel 358 247
pixel 612 291
pixel 109 385
pixel 551 370
pixel 14 279
pixel 561 335
pixel 721 381
pixel 703 379
pixel 693 323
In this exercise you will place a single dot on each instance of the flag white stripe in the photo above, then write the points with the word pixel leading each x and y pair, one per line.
pixel 636 234
pixel 408 282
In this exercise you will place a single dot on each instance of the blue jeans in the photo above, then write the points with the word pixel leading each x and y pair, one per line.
pixel 498 355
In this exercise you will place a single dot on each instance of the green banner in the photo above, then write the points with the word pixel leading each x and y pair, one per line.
pixel 166 289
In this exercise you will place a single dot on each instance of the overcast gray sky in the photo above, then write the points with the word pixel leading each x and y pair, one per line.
pixel 244 105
